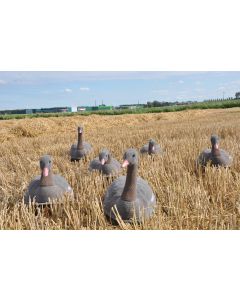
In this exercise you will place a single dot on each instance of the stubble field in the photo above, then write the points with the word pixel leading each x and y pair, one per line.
pixel 185 200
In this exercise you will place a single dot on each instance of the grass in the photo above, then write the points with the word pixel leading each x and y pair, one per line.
pixel 185 200
pixel 174 108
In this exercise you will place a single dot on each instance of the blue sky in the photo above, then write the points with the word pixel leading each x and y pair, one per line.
pixel 47 89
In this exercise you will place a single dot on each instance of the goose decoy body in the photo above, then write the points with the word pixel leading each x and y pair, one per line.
pixel 47 186
pixel 81 149
pixel 214 156
pixel 131 195
pixel 151 148
pixel 105 163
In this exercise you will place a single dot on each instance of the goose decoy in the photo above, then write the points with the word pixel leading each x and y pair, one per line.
pixel 105 163
pixel 214 156
pixel 151 148
pixel 131 195
pixel 81 149
pixel 47 186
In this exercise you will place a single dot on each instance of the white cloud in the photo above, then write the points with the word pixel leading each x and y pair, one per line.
pixel 198 89
pixel 235 82
pixel 200 97
pixel 180 81
pixel 68 90
pixel 183 92
pixel 2 82
pixel 46 92
pixel 183 97
pixel 84 89
pixel 160 92
pixel 221 88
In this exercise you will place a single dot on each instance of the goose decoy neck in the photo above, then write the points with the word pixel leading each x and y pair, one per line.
pixel 215 151
pixel 150 148
pixel 130 188
pixel 80 138
pixel 46 178
pixel 215 145
pixel 109 160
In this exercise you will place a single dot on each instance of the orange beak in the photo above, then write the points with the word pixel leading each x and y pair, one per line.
pixel 125 163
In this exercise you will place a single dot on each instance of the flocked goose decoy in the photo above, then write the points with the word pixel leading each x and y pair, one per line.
pixel 105 163
pixel 81 149
pixel 214 156
pixel 131 195
pixel 47 186
pixel 151 148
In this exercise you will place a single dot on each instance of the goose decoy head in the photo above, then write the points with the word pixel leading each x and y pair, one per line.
pixel 45 164
pixel 130 157
pixel 152 144
pixel 80 129
pixel 104 156
pixel 215 141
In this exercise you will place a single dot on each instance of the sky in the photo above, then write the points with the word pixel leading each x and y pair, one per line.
pixel 48 89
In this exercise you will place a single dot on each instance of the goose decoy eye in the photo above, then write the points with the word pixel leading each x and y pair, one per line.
pixel 50 161
pixel 133 155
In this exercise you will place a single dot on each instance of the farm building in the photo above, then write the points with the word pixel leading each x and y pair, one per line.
pixel 53 110
pixel 35 110
pixel 94 108
pixel 81 108
pixel 105 107
pixel 14 112
pixel 129 106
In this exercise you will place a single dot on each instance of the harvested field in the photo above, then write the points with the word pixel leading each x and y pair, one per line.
pixel 185 199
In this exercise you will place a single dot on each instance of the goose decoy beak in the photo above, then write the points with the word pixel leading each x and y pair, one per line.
pixel 102 161
pixel 125 163
pixel 45 172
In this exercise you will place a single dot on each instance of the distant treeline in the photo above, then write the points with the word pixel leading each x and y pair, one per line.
pixel 166 108
pixel 220 99
pixel 165 103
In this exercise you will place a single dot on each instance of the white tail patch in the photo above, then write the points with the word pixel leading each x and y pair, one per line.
pixel 153 198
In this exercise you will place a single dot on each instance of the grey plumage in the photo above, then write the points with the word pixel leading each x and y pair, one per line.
pixel 81 149
pixel 95 164
pixel 44 188
pixel 143 205
pixel 105 163
pixel 215 156
pixel 151 148
pixel 77 154
pixel 112 168
pixel 131 195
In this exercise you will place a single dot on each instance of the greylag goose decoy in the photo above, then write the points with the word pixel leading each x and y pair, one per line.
pixel 81 149
pixel 214 156
pixel 151 148
pixel 131 195
pixel 105 163
pixel 47 186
